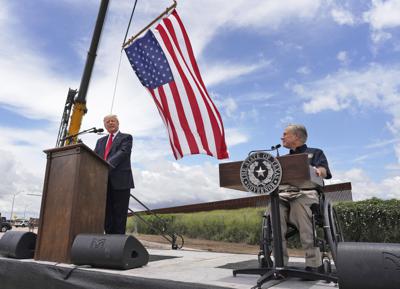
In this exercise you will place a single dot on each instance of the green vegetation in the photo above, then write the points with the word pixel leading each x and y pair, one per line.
pixel 371 220
pixel 242 225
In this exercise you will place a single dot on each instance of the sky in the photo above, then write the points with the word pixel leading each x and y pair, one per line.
pixel 331 65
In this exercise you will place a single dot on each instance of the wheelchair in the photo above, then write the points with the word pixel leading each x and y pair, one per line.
pixel 323 216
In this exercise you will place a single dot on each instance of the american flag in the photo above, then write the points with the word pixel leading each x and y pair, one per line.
pixel 164 62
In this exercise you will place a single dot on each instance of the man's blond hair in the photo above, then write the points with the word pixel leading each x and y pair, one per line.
pixel 110 116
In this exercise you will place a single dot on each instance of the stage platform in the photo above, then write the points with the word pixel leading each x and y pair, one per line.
pixel 171 269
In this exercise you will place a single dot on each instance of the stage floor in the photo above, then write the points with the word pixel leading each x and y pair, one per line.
pixel 167 268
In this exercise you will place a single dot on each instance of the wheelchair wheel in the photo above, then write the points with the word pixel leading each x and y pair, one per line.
pixel 264 256
pixel 333 231
pixel 326 263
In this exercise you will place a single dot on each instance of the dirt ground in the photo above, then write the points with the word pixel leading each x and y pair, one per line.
pixel 158 242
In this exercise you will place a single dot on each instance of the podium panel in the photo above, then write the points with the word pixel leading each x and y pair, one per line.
pixel 73 200
pixel 296 171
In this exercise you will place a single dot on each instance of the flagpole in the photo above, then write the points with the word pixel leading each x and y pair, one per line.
pixel 130 40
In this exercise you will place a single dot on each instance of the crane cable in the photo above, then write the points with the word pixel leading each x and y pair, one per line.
pixel 120 57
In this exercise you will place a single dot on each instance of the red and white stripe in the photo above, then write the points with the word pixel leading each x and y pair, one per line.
pixel 193 122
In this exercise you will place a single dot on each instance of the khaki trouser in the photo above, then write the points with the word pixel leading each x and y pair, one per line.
pixel 299 214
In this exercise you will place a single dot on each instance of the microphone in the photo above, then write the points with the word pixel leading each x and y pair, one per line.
pixel 90 130
pixel 97 130
pixel 276 147
pixel 273 148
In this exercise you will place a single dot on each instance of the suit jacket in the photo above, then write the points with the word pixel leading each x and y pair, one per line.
pixel 120 173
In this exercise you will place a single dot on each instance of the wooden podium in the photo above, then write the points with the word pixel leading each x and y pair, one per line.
pixel 296 171
pixel 73 200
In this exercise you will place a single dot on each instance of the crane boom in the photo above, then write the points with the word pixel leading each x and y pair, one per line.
pixel 79 108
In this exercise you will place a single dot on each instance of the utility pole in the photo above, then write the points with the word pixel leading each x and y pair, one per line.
pixel 12 206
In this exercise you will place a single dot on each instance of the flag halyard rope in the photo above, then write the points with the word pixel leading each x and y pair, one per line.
pixel 120 58
pixel 130 40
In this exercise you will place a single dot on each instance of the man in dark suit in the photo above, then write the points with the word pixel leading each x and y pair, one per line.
pixel 116 150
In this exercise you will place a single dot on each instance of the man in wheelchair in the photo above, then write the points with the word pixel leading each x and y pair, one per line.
pixel 295 203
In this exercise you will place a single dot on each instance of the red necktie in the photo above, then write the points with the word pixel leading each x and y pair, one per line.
pixel 108 146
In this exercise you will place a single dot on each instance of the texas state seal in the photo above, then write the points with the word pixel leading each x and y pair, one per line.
pixel 261 173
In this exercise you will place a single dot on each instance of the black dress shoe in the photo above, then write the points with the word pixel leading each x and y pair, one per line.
pixel 319 269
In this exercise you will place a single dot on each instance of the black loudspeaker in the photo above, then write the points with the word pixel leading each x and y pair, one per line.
pixel 17 244
pixel 108 251
pixel 368 265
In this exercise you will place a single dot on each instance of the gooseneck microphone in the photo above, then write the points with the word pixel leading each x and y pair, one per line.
pixel 276 147
pixel 97 130
pixel 90 130
pixel 273 148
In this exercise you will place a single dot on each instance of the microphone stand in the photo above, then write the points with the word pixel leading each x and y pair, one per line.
pixel 159 225
pixel 273 148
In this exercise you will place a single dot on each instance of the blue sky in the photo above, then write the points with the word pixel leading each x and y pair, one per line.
pixel 330 65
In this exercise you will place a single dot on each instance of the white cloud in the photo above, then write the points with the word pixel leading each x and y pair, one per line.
pixel 230 106
pixel 393 167
pixel 288 46
pixel 379 36
pixel 343 57
pixel 10 175
pixel 171 184
pixel 27 145
pixel 303 70
pixel 283 122
pixel 27 74
pixel 370 155
pixel 274 13
pixel 342 17
pixel 29 85
pixel 397 150
pixel 235 137
pixel 258 96
pixel 383 14
pixel 375 87
pixel 268 15
pixel 383 143
pixel 17 179
pixel 3 14
pixel 223 72
pixel 363 187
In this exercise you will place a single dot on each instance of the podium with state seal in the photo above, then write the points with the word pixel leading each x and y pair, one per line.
pixel 296 171
pixel 261 173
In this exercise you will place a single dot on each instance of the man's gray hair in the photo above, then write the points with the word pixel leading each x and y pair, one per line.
pixel 299 130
